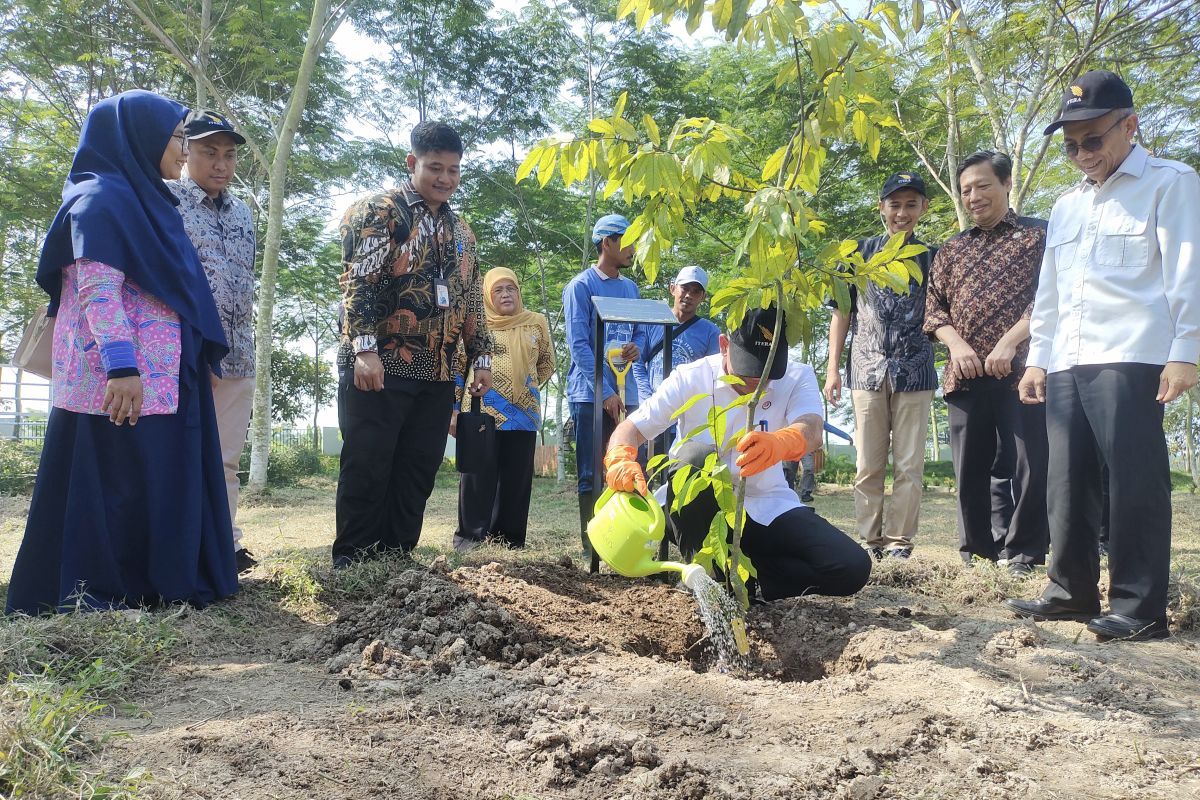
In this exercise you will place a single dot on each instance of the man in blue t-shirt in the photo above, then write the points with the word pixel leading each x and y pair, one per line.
pixel 693 338
pixel 603 279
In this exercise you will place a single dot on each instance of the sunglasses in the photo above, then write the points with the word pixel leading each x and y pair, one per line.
pixel 1090 143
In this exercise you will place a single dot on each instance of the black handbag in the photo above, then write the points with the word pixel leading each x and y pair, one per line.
pixel 475 439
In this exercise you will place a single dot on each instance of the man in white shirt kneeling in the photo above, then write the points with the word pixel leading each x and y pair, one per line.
pixel 795 551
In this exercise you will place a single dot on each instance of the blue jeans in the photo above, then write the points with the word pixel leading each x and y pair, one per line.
pixel 581 414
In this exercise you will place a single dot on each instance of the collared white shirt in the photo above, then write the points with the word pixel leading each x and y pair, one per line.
pixel 1120 280
pixel 784 402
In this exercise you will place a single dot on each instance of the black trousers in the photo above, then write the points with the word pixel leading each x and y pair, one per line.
pixel 980 419
pixel 1107 416
pixel 393 442
pixel 1003 499
pixel 798 553
pixel 494 504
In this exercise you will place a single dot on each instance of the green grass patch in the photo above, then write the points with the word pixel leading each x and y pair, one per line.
pixel 840 470
pixel 1181 482
pixel 18 466
pixel 60 671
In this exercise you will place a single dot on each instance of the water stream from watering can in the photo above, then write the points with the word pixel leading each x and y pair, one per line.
pixel 717 611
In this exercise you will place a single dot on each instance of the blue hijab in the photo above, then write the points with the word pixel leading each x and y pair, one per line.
pixel 117 210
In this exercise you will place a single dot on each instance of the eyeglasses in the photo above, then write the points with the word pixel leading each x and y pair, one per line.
pixel 183 140
pixel 1090 143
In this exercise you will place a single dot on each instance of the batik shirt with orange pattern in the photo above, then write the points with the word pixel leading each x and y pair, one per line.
pixel 982 283
pixel 395 250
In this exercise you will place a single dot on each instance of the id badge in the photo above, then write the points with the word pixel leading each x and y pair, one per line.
pixel 441 290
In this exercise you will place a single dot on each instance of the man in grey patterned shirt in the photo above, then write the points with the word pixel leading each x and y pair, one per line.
pixel 222 230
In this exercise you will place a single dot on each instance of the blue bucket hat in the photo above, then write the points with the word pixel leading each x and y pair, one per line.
pixel 609 225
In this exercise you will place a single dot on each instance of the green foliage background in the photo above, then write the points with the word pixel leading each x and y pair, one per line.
pixel 933 80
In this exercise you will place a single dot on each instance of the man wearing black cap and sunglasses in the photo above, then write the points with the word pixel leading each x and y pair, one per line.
pixel 1115 336
pixel 222 230
pixel 794 550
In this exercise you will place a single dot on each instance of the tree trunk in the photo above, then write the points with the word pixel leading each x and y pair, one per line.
pixel 202 52
pixel 936 448
pixel 991 105
pixel 260 428
pixel 18 410
pixel 952 141
pixel 1189 438
pixel 316 387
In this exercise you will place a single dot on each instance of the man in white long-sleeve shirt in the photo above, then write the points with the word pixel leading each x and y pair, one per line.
pixel 1115 334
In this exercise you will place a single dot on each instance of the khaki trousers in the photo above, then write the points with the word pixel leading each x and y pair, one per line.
pixel 899 420
pixel 233 398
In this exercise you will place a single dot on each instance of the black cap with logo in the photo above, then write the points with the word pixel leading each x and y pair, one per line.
pixel 1093 94
pixel 903 180
pixel 750 344
pixel 203 123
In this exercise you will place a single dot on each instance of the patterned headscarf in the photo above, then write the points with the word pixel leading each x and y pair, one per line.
pixel 524 354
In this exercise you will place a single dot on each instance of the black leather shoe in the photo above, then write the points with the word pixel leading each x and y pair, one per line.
pixel 245 561
pixel 1128 629
pixel 1048 609
pixel 465 544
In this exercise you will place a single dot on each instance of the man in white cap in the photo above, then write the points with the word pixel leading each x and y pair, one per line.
pixel 1115 335
pixel 603 279
pixel 694 337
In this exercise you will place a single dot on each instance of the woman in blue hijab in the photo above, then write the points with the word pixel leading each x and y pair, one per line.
pixel 129 508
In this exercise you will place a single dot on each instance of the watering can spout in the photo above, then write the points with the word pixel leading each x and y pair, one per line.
pixel 693 576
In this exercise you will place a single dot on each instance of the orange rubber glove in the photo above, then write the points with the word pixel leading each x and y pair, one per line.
pixel 622 472
pixel 762 449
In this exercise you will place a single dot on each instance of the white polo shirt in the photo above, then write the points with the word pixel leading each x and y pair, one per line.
pixel 784 402
pixel 1120 280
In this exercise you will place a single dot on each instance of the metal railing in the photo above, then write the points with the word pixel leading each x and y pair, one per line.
pixel 295 437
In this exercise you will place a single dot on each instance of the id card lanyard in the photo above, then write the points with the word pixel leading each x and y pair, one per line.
pixel 441 286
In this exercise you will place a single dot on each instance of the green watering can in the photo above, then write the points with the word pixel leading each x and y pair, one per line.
pixel 626 532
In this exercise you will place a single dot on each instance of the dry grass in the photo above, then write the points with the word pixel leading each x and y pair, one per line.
pixel 65 668
pixel 1184 598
